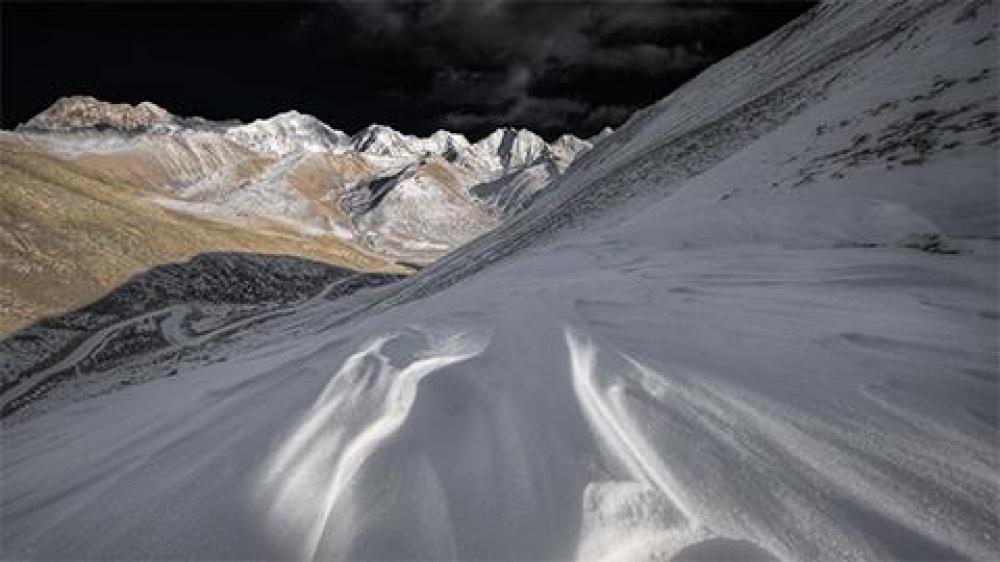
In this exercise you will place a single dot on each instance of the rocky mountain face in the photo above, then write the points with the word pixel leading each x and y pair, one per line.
pixel 294 169
pixel 287 133
pixel 85 112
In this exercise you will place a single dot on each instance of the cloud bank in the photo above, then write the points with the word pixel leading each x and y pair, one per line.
pixel 552 66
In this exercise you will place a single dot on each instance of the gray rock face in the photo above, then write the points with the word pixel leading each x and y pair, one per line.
pixel 287 133
pixel 85 112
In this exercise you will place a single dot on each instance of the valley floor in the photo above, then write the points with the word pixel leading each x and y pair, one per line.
pixel 616 403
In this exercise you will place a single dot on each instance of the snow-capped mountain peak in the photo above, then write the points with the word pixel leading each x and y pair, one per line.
pixel 447 144
pixel 735 330
pixel 381 140
pixel 289 132
pixel 521 149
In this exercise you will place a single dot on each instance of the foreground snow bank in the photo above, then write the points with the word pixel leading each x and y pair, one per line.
pixel 816 404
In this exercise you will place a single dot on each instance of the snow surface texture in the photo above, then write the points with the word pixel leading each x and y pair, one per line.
pixel 685 350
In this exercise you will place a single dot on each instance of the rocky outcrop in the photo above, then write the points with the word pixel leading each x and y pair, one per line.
pixel 85 112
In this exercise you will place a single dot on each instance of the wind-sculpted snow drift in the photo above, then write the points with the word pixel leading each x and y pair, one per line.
pixel 365 404
pixel 759 321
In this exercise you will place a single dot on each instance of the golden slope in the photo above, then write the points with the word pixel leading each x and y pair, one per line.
pixel 68 236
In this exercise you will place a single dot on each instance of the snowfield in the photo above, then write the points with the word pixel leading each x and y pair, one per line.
pixel 835 404
pixel 759 321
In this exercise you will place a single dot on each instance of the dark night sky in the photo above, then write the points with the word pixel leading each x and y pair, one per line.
pixel 466 66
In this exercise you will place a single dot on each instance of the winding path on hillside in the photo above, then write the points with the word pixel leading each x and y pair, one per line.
pixel 172 320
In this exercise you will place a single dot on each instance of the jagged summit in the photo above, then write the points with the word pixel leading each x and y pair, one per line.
pixel 81 112
pixel 714 337
pixel 566 148
pixel 382 140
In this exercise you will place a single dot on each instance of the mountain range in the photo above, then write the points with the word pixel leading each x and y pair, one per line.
pixel 378 200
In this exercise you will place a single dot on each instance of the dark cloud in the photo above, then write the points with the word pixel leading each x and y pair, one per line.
pixel 469 66
pixel 552 66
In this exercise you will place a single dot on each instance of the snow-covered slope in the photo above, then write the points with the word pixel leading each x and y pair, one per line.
pixel 512 193
pixel 503 151
pixel 379 140
pixel 601 135
pixel 768 114
pixel 711 339
pixel 289 132
pixel 567 149
pixel 446 144
pixel 152 313
pixel 422 212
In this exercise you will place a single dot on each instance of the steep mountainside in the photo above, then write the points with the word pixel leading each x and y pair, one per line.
pixel 758 321
pixel 817 128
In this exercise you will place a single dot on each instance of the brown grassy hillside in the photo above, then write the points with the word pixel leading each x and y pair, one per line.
pixel 67 236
